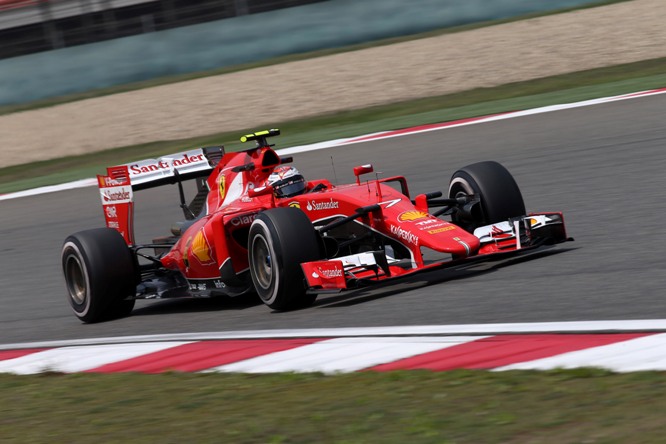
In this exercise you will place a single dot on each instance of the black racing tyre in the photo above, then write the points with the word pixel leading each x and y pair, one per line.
pixel 500 196
pixel 100 274
pixel 280 240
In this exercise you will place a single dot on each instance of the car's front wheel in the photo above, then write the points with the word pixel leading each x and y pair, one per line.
pixel 500 197
pixel 100 274
pixel 280 240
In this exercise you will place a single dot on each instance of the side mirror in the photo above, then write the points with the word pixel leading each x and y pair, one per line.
pixel 260 191
pixel 362 169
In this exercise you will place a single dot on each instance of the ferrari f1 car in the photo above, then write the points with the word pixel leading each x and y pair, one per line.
pixel 239 235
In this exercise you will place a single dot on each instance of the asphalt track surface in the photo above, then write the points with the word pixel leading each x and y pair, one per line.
pixel 604 166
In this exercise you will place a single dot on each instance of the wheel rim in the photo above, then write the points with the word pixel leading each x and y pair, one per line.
pixel 461 188
pixel 262 263
pixel 76 280
pixel 460 193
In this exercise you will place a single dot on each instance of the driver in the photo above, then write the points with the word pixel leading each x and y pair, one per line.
pixel 287 181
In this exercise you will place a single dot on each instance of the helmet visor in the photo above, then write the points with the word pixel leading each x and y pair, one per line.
pixel 290 187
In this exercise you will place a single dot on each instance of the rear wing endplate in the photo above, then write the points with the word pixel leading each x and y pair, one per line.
pixel 117 186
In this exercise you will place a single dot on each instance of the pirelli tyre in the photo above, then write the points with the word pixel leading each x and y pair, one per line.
pixel 280 239
pixel 100 274
pixel 500 197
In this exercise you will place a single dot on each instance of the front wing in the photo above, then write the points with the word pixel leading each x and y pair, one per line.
pixel 518 236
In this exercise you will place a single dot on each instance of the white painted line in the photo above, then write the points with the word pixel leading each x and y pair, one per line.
pixel 656 325
pixel 312 147
pixel 502 116
pixel 343 354
pixel 50 189
pixel 79 359
pixel 379 136
pixel 646 353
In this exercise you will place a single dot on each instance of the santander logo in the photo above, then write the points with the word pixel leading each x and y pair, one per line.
pixel 330 273
pixel 185 159
pixel 326 205
pixel 116 195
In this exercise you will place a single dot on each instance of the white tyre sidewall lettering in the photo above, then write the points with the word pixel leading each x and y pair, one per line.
pixel 463 183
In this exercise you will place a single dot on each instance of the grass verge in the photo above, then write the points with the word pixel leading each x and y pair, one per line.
pixel 541 92
pixel 582 405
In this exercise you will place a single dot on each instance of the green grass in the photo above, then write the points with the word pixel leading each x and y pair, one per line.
pixel 573 406
pixel 541 92
pixel 6 109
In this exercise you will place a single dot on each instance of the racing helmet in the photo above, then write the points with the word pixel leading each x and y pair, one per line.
pixel 286 181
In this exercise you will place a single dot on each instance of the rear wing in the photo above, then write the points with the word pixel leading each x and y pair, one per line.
pixel 118 185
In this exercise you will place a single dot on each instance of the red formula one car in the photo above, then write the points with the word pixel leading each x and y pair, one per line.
pixel 255 225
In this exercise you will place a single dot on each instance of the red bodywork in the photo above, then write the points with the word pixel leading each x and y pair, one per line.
pixel 214 245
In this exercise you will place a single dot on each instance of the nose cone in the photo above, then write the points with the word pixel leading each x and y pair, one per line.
pixel 446 237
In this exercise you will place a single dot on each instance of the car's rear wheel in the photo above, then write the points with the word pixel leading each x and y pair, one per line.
pixel 100 274
pixel 500 197
pixel 280 240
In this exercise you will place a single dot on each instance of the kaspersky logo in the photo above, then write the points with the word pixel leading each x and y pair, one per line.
pixel 405 235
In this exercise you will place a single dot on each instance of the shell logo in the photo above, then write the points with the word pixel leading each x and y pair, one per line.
pixel 222 186
pixel 294 205
pixel 412 215
pixel 200 249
